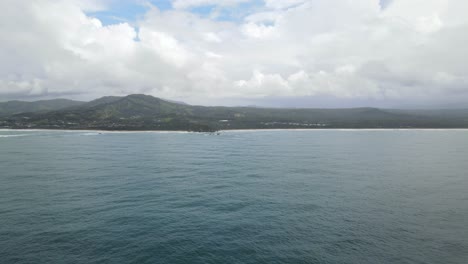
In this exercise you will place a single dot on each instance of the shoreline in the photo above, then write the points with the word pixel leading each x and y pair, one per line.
pixel 96 130
pixel 229 130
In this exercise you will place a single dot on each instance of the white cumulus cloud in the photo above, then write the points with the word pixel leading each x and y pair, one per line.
pixel 409 50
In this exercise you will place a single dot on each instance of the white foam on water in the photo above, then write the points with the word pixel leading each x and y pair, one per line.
pixel 96 131
pixel 17 135
pixel 90 134
pixel 342 129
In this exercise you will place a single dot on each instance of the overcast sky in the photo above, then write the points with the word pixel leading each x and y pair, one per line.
pixel 325 53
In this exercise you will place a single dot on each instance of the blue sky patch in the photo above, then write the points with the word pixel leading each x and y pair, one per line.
pixel 127 11
pixel 132 10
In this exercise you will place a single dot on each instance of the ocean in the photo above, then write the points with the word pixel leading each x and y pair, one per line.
pixel 315 196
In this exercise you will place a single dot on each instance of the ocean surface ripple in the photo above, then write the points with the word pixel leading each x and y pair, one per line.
pixel 331 196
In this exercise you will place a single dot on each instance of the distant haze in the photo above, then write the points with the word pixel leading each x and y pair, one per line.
pixel 276 53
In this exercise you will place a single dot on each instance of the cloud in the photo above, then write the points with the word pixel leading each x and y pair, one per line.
pixel 195 3
pixel 385 3
pixel 281 4
pixel 409 50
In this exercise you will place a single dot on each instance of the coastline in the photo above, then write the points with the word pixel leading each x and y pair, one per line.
pixel 346 129
pixel 228 130
pixel 96 131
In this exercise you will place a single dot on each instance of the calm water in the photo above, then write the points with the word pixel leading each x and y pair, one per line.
pixel 241 197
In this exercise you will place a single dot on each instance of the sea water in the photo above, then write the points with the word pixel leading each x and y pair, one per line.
pixel 318 196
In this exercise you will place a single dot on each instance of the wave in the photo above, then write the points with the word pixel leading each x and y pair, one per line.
pixel 98 131
pixel 90 134
pixel 17 135
pixel 340 129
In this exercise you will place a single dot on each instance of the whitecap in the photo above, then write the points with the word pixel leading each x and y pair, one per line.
pixel 90 134
pixel 17 135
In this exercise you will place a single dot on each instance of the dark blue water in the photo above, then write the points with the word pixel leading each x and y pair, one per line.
pixel 241 197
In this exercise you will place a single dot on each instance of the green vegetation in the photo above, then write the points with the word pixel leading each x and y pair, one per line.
pixel 143 112
pixel 16 107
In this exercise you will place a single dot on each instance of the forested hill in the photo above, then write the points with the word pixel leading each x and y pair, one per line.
pixel 143 112
pixel 16 107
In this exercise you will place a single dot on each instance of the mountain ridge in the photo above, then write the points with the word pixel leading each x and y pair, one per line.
pixel 145 112
pixel 17 106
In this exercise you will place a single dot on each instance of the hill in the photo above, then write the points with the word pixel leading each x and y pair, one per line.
pixel 16 107
pixel 143 112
